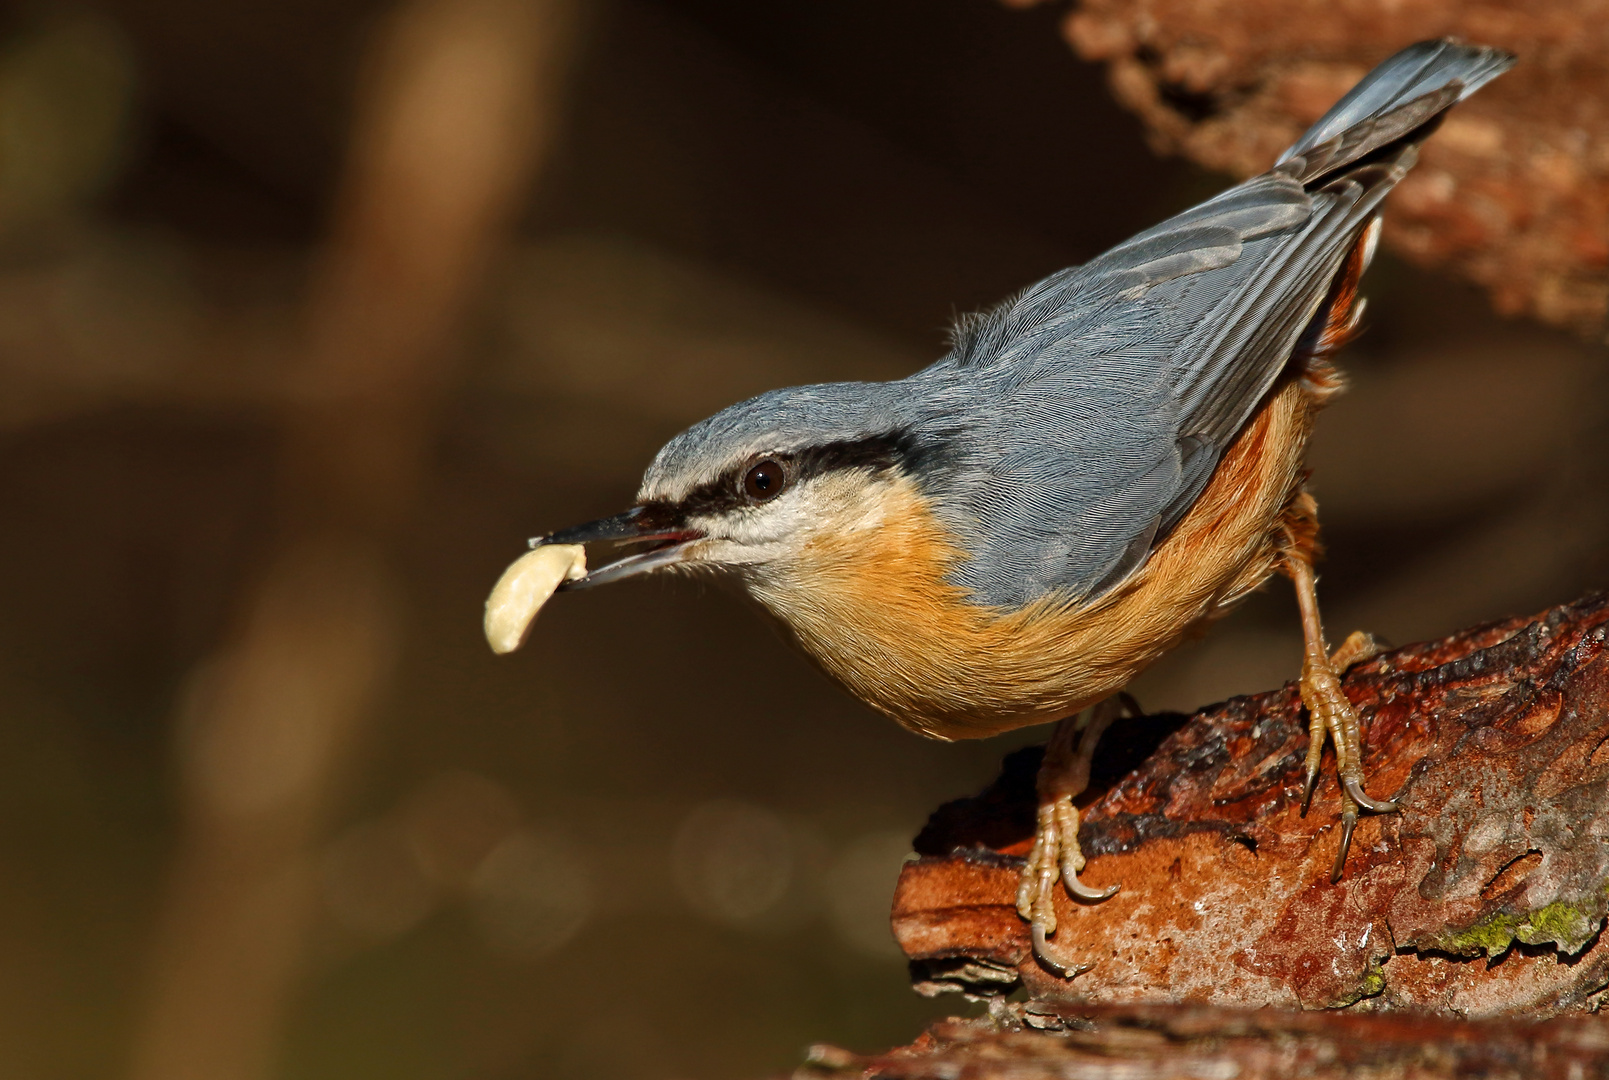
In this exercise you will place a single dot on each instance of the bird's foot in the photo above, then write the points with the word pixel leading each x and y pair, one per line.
pixel 1331 713
pixel 1056 858
pixel 1359 647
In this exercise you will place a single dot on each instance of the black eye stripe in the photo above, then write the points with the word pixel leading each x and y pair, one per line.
pixel 876 454
pixel 728 492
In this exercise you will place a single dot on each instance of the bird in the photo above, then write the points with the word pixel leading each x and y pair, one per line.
pixel 1098 467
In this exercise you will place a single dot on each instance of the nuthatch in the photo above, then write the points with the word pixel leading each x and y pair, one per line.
pixel 1102 463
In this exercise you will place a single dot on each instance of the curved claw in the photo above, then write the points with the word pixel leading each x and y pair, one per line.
pixel 1349 822
pixel 1051 964
pixel 1308 787
pixel 1084 892
pixel 1354 788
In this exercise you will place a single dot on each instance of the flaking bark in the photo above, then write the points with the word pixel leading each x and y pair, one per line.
pixel 1484 897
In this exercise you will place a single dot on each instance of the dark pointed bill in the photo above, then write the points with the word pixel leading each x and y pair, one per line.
pixel 659 534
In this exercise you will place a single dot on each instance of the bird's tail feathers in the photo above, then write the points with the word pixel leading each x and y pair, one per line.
pixel 1404 94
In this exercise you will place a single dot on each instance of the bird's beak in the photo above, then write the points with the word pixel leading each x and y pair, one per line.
pixel 660 531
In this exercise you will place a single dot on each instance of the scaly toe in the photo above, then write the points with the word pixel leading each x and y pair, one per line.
pixel 1359 647
pixel 1072 859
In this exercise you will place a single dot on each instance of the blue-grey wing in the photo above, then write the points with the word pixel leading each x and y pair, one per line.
pixel 1110 390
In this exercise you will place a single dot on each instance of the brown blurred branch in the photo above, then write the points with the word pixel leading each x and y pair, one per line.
pixel 1485 896
pixel 457 107
pixel 1513 193
pixel 1190 1042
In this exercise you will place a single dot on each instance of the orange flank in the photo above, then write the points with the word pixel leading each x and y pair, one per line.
pixel 874 607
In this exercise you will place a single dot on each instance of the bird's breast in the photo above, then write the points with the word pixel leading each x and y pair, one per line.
pixel 876 608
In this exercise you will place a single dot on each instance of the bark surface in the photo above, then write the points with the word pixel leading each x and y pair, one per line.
pixel 1484 897
pixel 1190 1043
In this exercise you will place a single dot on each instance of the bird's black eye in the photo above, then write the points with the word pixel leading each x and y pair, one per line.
pixel 764 481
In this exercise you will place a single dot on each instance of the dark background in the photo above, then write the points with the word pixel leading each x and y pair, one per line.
pixel 741 195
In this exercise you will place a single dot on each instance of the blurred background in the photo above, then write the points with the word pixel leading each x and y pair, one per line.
pixel 312 312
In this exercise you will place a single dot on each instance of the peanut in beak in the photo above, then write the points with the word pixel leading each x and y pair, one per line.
pixel 524 587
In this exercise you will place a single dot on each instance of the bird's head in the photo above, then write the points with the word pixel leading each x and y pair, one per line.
pixel 756 487
pixel 861 516
pixel 851 512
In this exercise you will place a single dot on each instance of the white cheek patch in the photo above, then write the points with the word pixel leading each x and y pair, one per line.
pixel 524 587
pixel 834 505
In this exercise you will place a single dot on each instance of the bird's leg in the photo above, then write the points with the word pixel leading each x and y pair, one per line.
pixel 1328 708
pixel 1358 648
pixel 1055 856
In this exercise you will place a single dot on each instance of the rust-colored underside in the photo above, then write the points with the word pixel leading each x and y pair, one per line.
pixel 1484 896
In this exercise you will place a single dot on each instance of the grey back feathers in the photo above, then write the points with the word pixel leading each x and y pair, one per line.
pixel 1073 425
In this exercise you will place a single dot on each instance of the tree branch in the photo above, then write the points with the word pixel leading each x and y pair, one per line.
pixel 1485 896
